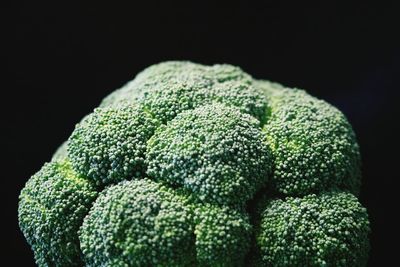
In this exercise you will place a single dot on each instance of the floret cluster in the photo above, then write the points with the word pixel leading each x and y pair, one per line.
pixel 193 165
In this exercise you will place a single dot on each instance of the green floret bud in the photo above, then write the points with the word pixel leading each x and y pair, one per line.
pixel 52 206
pixel 222 236
pixel 313 144
pixel 138 223
pixel 108 146
pixel 216 152
pixel 171 87
pixel 330 229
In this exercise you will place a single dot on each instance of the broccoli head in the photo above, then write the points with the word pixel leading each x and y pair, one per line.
pixel 194 165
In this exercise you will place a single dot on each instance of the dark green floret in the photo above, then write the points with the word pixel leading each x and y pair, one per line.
pixel 138 223
pixel 313 144
pixel 52 206
pixel 214 151
pixel 330 229
pixel 109 144
pixel 222 236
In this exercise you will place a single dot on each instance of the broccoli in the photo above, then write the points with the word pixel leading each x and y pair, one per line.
pixel 214 151
pixel 160 227
pixel 53 205
pixel 313 144
pixel 194 165
pixel 109 144
pixel 317 230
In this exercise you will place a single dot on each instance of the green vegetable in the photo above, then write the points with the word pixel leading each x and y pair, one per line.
pixel 214 151
pixel 316 230
pixel 193 165
pixel 313 143
pixel 51 210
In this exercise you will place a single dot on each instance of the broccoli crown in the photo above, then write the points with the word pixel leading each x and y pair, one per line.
pixel 168 170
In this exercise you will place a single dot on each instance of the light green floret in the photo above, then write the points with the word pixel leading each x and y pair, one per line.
pixel 169 88
pixel 313 144
pixel 52 206
pixel 109 144
pixel 215 152
pixel 222 236
pixel 138 223
pixel 330 229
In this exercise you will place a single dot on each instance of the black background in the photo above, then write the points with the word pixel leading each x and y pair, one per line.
pixel 61 59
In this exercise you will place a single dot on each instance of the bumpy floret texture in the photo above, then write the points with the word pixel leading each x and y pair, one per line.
pixel 140 218
pixel 109 144
pixel 168 170
pixel 143 223
pixel 222 235
pixel 330 229
pixel 169 88
pixel 313 143
pixel 214 151
pixel 52 206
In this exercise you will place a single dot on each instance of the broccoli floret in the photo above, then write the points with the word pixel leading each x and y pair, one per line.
pixel 313 143
pixel 155 76
pixel 168 88
pixel 138 223
pixel 214 151
pixel 222 236
pixel 143 223
pixel 51 209
pixel 109 144
pixel 330 229
pixel 193 165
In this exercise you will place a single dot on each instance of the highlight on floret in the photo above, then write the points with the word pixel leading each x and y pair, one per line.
pixel 194 165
